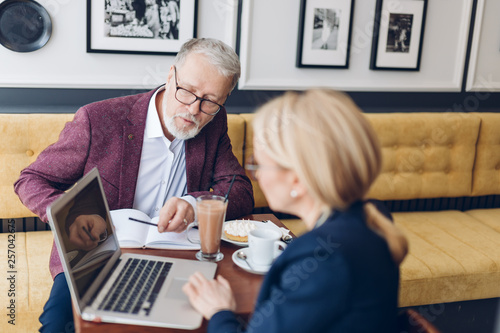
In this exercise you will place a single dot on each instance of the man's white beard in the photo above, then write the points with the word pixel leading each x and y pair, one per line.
pixel 181 133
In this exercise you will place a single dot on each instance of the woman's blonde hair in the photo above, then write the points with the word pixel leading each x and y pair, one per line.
pixel 323 136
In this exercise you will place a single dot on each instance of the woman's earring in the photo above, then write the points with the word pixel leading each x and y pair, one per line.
pixel 293 193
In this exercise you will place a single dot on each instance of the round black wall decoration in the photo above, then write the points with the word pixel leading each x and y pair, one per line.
pixel 25 26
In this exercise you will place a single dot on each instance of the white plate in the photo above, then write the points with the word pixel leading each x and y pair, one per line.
pixel 258 224
pixel 257 269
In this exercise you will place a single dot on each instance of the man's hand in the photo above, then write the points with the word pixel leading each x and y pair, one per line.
pixel 209 296
pixel 86 230
pixel 175 215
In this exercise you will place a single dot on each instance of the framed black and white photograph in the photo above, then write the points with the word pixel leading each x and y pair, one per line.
pixel 398 34
pixel 324 33
pixel 140 26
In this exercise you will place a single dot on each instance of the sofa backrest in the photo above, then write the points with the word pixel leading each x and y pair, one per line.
pixel 259 198
pixel 486 176
pixel 425 155
pixel 22 138
pixel 236 130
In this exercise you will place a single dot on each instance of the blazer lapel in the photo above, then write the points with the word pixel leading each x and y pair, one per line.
pixel 132 139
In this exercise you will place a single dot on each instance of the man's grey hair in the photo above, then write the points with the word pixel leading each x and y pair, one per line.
pixel 219 54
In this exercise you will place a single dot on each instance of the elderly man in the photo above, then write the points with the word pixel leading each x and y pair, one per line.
pixel 155 152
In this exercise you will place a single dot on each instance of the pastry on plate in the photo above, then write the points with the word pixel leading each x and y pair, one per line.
pixel 238 230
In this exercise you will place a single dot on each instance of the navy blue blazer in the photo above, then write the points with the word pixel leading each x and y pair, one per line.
pixel 339 277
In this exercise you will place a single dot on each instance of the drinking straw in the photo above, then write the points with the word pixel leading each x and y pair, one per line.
pixel 229 189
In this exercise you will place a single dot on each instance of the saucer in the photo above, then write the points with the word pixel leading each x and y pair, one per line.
pixel 257 269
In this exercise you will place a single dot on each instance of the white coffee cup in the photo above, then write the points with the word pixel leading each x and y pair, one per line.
pixel 264 246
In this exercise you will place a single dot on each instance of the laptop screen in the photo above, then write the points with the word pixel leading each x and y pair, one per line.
pixel 86 234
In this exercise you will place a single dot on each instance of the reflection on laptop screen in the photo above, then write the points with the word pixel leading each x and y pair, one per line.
pixel 86 235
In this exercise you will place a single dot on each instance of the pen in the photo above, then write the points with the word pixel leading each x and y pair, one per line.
pixel 141 221
pixel 89 234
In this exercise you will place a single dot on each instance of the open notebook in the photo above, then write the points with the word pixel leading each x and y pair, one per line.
pixel 133 234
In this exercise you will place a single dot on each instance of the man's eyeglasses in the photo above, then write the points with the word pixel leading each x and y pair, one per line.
pixel 186 97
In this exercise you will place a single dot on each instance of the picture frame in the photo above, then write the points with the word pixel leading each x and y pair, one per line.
pixel 324 37
pixel 485 50
pixel 398 35
pixel 140 26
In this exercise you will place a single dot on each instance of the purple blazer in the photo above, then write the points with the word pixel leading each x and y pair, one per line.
pixel 109 135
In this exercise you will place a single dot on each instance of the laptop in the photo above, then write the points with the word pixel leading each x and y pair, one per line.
pixel 108 285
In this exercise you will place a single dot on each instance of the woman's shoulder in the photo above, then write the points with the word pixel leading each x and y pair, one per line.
pixel 313 244
pixel 342 231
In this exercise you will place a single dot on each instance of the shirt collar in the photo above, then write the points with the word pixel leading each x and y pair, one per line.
pixel 322 219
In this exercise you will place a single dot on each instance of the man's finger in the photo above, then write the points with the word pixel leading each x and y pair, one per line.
pixel 178 222
pixel 178 226
pixel 166 214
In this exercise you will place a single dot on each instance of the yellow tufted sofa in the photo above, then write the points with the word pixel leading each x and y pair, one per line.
pixel 437 168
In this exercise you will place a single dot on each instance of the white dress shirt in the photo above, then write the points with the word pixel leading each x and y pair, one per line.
pixel 162 169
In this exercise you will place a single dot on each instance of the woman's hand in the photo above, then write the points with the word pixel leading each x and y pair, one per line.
pixel 209 296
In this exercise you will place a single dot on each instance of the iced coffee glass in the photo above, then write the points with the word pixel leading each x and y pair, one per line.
pixel 211 213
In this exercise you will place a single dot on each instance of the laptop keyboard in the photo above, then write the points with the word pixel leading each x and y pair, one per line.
pixel 137 287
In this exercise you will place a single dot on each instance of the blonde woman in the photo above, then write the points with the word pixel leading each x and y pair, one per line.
pixel 316 157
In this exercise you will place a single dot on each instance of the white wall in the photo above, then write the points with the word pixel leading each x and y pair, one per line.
pixel 64 63
pixel 269 41
pixel 268 51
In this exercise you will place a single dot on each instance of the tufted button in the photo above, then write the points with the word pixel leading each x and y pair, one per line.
pixel 497 167
pixel 421 171
pixel 447 171
pixel 450 145
pixel 395 147
pixel 130 136
pixel 30 152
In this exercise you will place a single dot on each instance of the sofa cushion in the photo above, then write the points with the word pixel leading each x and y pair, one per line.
pixel 24 136
pixel 486 177
pixel 425 155
pixel 452 258
pixel 32 278
pixel 489 217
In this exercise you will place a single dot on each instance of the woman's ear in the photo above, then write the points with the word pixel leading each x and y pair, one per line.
pixel 298 189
